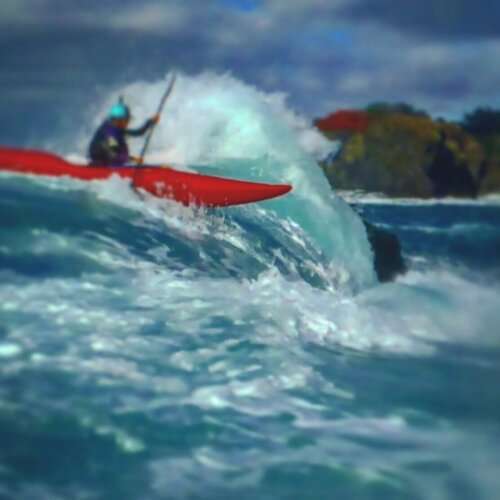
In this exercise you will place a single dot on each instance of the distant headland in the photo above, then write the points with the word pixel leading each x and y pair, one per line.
pixel 399 151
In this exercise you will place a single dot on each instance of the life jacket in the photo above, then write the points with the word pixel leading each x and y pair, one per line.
pixel 109 146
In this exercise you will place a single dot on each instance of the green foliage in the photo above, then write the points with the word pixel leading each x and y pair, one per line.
pixel 354 149
pixel 492 146
pixel 482 122
pixel 491 181
pixel 400 107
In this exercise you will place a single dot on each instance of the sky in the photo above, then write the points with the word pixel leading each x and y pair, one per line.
pixel 441 56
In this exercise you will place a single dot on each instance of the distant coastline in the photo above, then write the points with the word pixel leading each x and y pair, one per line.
pixel 399 151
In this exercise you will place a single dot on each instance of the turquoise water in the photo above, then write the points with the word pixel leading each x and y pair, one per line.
pixel 151 351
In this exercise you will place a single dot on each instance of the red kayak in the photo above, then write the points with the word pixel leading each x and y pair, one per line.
pixel 164 182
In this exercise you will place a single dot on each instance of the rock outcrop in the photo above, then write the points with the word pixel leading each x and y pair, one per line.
pixel 388 260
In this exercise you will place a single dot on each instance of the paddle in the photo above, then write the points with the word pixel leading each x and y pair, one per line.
pixel 158 112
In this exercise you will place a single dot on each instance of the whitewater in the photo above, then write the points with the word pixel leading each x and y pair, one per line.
pixel 150 350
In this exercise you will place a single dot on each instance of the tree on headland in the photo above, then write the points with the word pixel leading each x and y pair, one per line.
pixel 346 121
pixel 399 107
pixel 482 122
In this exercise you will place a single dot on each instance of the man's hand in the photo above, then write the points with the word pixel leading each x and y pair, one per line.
pixel 155 119
pixel 135 159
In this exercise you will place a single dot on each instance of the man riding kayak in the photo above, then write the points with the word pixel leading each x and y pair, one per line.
pixel 109 144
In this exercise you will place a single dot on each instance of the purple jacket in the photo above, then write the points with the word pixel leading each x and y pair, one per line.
pixel 109 144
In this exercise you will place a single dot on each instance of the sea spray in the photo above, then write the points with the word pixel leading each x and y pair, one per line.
pixel 242 132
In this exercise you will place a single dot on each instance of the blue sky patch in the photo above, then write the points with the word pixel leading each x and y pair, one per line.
pixel 243 5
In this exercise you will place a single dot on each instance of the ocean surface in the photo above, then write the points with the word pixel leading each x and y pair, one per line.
pixel 153 351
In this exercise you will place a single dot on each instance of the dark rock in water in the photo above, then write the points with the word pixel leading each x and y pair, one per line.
pixel 387 251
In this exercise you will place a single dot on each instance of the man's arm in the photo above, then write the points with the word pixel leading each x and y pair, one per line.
pixel 142 130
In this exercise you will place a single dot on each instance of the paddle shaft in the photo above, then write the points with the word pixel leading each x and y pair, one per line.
pixel 160 109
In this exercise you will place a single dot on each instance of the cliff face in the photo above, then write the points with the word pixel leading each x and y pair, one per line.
pixel 410 155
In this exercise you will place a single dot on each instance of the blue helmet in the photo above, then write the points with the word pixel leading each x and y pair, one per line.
pixel 120 111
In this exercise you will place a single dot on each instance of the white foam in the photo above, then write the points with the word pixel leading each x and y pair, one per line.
pixel 248 134
pixel 9 350
pixel 370 198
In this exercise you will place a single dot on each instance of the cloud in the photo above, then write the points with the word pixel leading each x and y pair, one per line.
pixel 440 55
pixel 19 12
pixel 437 19
pixel 151 17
